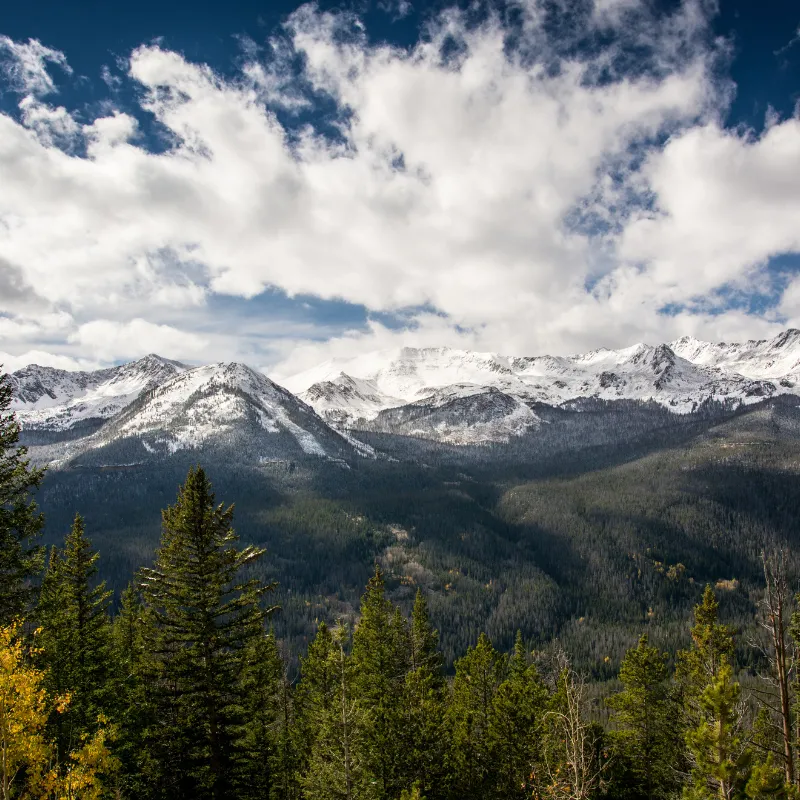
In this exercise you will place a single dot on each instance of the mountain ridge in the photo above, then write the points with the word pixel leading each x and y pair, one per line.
pixel 444 394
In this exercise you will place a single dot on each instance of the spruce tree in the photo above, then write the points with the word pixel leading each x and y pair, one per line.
pixel 134 710
pixel 646 737
pixel 199 617
pixel 315 694
pixel 20 522
pixel 517 710
pixel 338 767
pixel 270 762
pixel 470 717
pixel 75 637
pixel 380 653
pixel 425 741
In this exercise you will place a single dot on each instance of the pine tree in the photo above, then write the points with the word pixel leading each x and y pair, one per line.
pixel 517 712
pixel 470 717
pixel 380 650
pixel 425 742
pixel 75 637
pixel 20 523
pixel 721 761
pixel 338 767
pixel 270 760
pixel 713 647
pixel 646 738
pixel 198 619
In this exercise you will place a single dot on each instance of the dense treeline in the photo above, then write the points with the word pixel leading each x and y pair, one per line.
pixel 186 693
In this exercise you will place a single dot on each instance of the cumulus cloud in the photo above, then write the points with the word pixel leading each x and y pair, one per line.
pixel 110 339
pixel 503 189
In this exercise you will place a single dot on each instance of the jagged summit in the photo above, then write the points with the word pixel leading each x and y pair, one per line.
pixel 48 398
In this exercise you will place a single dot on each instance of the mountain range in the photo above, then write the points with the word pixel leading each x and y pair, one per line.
pixel 154 407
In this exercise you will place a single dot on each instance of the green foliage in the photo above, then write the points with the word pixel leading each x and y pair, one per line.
pixel 338 766
pixel 198 620
pixel 518 710
pixel 646 736
pixel 470 718
pixel 379 665
pixel 75 638
pixel 424 735
pixel 20 522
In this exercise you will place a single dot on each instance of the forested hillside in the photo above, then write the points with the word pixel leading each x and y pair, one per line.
pixel 614 517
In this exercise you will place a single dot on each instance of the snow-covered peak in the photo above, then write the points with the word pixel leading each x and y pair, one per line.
pixel 344 399
pixel 681 375
pixel 59 399
pixel 758 359
pixel 222 405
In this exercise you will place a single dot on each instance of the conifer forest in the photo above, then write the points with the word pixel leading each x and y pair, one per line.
pixel 191 680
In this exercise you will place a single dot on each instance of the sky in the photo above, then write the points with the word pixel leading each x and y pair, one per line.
pixel 280 184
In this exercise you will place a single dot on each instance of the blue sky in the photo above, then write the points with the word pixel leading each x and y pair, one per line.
pixel 280 184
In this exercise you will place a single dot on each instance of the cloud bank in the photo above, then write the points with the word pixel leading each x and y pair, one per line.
pixel 540 182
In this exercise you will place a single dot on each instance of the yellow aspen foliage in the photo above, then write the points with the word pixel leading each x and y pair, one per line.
pixel 81 777
pixel 28 770
pixel 24 709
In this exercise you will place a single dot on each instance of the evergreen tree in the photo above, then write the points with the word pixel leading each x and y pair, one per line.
pixel 646 739
pixel 269 770
pixel 338 767
pixel 470 716
pixel 198 620
pixel 712 647
pixel 425 741
pixel 720 758
pixel 380 651
pixel 20 523
pixel 517 712
pixel 721 761
pixel 75 637
pixel 315 695
pixel 132 696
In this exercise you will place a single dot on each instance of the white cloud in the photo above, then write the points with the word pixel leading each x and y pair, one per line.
pixel 493 187
pixel 11 363
pixel 24 66
pixel 107 340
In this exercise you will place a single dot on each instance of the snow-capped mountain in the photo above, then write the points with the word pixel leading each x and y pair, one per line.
pixel 58 400
pixel 443 394
pixel 343 400
pixel 776 359
pixel 153 407
pixel 225 404
pixel 410 388
pixel 463 414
